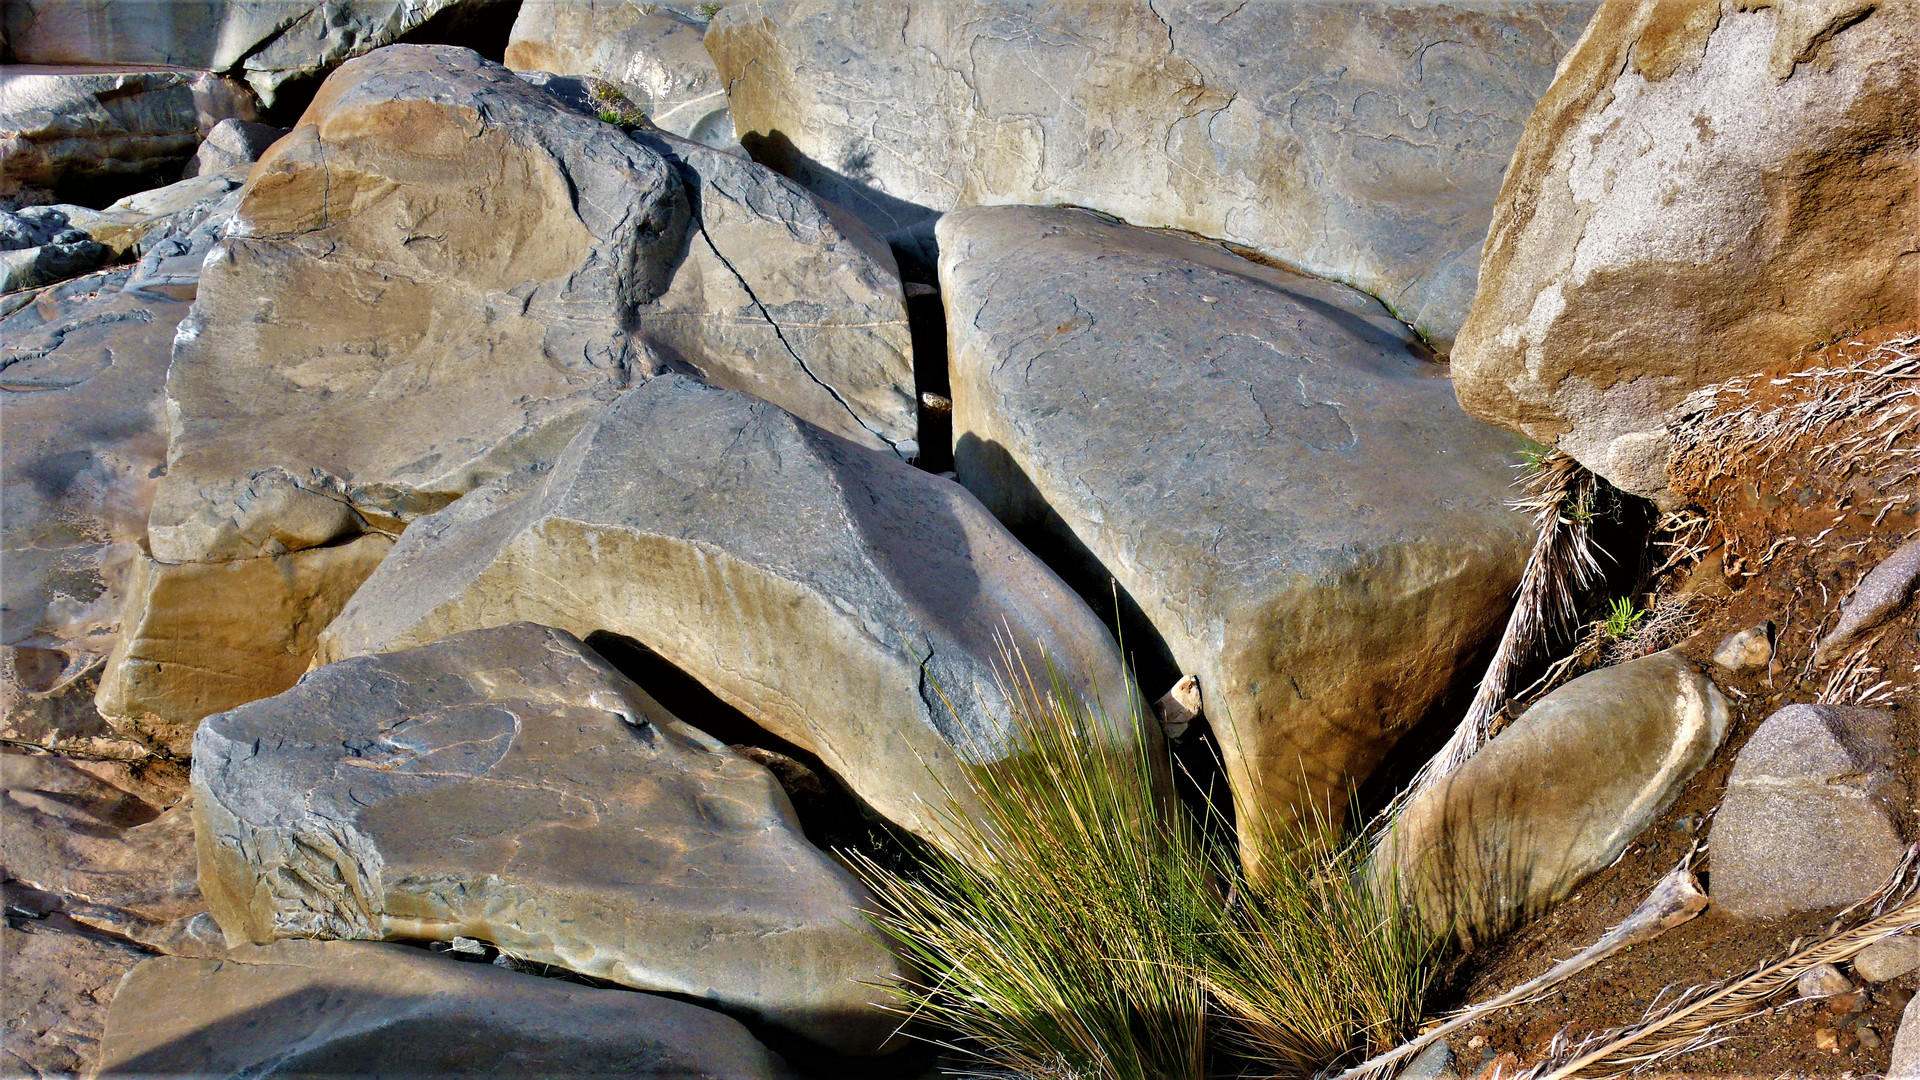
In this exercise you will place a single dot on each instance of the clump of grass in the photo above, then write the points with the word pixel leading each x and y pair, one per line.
pixel 1093 933
pixel 1622 618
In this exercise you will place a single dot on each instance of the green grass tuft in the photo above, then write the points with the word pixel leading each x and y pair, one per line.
pixel 1622 618
pixel 1094 934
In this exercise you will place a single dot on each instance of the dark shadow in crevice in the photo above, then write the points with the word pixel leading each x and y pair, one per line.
pixel 483 27
pixel 845 186
pixel 927 321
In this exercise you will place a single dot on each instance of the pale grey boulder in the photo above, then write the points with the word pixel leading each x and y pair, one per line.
pixel 313 1008
pixel 232 142
pixel 1360 141
pixel 74 131
pixel 1707 190
pixel 1555 797
pixel 655 56
pixel 839 597
pixel 1886 591
pixel 508 785
pixel 1286 491
pixel 266 43
pixel 1815 813
pixel 515 265
pixel 1906 1045
pixel 1888 958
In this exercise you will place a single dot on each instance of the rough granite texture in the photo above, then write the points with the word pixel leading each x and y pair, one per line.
pixel 656 57
pixel 1887 590
pixel 54 990
pixel 266 42
pixel 1706 191
pixel 514 266
pixel 353 1008
pixel 72 129
pixel 1556 796
pixel 1815 814
pixel 1278 483
pixel 508 785
pixel 842 599
pixel 1360 141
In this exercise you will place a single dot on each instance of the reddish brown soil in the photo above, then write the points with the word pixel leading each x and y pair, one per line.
pixel 1750 507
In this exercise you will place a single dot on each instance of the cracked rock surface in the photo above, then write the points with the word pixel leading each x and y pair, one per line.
pixel 432 281
pixel 508 785
pixel 1816 813
pixel 1281 487
pixel 1360 141
pixel 1705 192
pixel 831 592
pixel 1557 796
pixel 352 1008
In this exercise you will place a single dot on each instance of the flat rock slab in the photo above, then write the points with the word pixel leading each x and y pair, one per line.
pixel 265 42
pixel 1287 492
pixel 658 58
pixel 1625 267
pixel 1815 813
pixel 844 600
pixel 101 856
pixel 508 785
pixel 77 131
pixel 1362 141
pixel 1556 796
pixel 1887 590
pixel 339 1008
pixel 54 991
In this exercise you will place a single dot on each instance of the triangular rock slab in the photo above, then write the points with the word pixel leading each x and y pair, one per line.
pixel 508 785
pixel 354 1008
pixel 1261 460
pixel 842 599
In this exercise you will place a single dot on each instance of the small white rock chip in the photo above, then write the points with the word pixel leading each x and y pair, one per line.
pixel 1888 959
pixel 1823 981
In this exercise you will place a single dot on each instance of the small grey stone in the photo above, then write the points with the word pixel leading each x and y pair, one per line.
pixel 1888 958
pixel 1433 1063
pixel 1822 981
pixel 1812 813
pixel 1885 590
pixel 1746 650
pixel 232 142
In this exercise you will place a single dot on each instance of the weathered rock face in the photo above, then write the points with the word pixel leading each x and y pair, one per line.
pixel 54 990
pixel 1289 495
pixel 133 225
pixel 1814 813
pixel 842 599
pixel 1557 795
pixel 1705 191
pixel 657 58
pixel 1887 590
pixel 508 785
pixel 266 42
pixel 1360 141
pixel 339 1008
pixel 77 131
pixel 82 369
pixel 514 266
pixel 101 856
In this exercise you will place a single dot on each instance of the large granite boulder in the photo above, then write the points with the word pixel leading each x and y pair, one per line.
pixel 1815 813
pixel 54 990
pixel 268 43
pixel 508 785
pixel 1362 141
pixel 100 856
pixel 1706 191
pixel 339 1008
pixel 1555 797
pixel 514 265
pixel 656 57
pixel 1278 483
pixel 839 597
pixel 79 132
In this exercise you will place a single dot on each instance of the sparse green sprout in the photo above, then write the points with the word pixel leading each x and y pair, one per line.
pixel 1623 619
pixel 709 10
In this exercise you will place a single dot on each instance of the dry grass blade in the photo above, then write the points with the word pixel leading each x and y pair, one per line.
pixel 1697 1017
pixel 1560 569
pixel 1675 899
